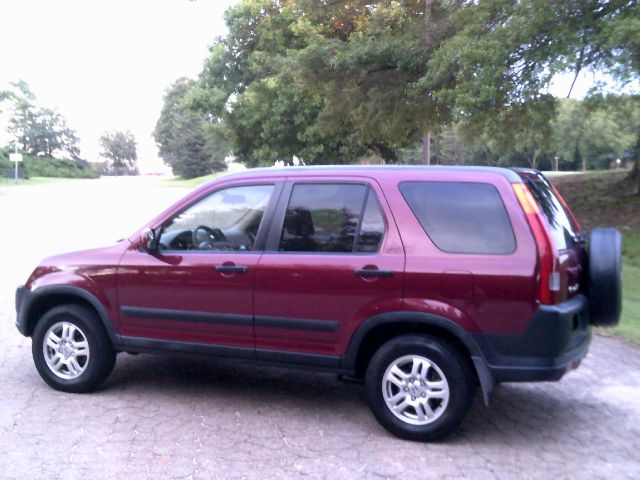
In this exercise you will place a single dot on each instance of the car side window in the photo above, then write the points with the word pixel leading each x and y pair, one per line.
pixel 461 217
pixel 372 227
pixel 328 218
pixel 226 220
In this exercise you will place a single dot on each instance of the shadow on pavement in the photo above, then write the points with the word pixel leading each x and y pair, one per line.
pixel 521 413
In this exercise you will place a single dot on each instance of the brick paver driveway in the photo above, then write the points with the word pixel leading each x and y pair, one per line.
pixel 181 417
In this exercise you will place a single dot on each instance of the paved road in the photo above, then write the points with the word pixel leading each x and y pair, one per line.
pixel 181 418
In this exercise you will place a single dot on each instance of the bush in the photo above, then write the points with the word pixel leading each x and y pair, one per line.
pixel 49 167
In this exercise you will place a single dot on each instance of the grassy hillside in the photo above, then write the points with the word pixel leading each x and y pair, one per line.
pixel 10 182
pixel 47 167
pixel 605 199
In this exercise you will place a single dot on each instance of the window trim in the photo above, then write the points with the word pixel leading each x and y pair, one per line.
pixel 448 252
pixel 261 237
pixel 272 245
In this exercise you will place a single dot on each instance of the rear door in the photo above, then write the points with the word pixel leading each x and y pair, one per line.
pixel 333 259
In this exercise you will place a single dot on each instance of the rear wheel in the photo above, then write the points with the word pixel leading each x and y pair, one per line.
pixel 71 349
pixel 419 387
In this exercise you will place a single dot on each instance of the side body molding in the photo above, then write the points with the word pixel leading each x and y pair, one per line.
pixel 419 319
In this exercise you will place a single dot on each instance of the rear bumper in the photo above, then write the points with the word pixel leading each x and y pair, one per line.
pixel 556 341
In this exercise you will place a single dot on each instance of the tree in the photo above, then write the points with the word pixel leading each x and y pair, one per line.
pixel 43 132
pixel 119 148
pixel 368 59
pixel 337 81
pixel 187 140
pixel 504 54
pixel 39 131
pixel 4 96
pixel 250 86
pixel 595 130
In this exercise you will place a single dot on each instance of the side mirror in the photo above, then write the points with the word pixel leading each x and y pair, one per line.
pixel 150 240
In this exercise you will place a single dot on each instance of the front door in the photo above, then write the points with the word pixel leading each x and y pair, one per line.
pixel 333 259
pixel 198 287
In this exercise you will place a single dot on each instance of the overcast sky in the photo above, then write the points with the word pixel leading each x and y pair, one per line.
pixel 105 65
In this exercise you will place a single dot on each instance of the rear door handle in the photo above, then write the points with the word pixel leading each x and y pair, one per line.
pixel 232 268
pixel 370 272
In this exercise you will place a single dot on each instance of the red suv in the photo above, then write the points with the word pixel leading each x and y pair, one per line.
pixel 423 281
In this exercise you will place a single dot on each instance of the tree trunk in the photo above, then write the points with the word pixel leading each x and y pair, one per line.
pixel 488 157
pixel 426 148
pixel 583 160
pixel 428 38
pixel 428 9
pixel 635 172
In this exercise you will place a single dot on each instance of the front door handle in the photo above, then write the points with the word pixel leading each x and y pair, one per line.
pixel 232 268
pixel 373 272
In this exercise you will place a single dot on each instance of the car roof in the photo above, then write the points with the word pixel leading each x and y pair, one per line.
pixel 510 174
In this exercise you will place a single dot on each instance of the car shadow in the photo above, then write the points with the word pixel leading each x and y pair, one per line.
pixel 520 413
pixel 222 377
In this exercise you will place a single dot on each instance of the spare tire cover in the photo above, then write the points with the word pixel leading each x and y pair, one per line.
pixel 605 276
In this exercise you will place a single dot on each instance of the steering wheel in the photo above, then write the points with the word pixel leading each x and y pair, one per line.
pixel 204 238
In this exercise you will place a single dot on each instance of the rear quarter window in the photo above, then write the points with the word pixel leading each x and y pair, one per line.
pixel 461 217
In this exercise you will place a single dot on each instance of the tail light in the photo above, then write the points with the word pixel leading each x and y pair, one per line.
pixel 549 277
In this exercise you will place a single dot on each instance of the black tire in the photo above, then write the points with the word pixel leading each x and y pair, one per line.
pixel 452 365
pixel 96 366
pixel 605 276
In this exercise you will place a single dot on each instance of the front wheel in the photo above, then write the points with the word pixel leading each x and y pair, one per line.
pixel 71 349
pixel 419 387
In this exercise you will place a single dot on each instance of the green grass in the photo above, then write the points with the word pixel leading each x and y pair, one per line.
pixel 607 199
pixel 48 167
pixel 9 182
pixel 188 183
pixel 629 327
pixel 561 173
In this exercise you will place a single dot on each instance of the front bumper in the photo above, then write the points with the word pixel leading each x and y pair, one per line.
pixel 21 321
pixel 556 341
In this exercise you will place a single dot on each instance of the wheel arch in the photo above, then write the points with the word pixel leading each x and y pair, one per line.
pixel 46 298
pixel 375 331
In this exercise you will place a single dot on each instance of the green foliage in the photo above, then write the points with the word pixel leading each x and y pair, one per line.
pixel 187 140
pixel 119 148
pixel 504 54
pixel 48 167
pixel 366 59
pixel 592 133
pixel 338 82
pixel 586 135
pixel 251 86
pixel 5 95
pixel 40 131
